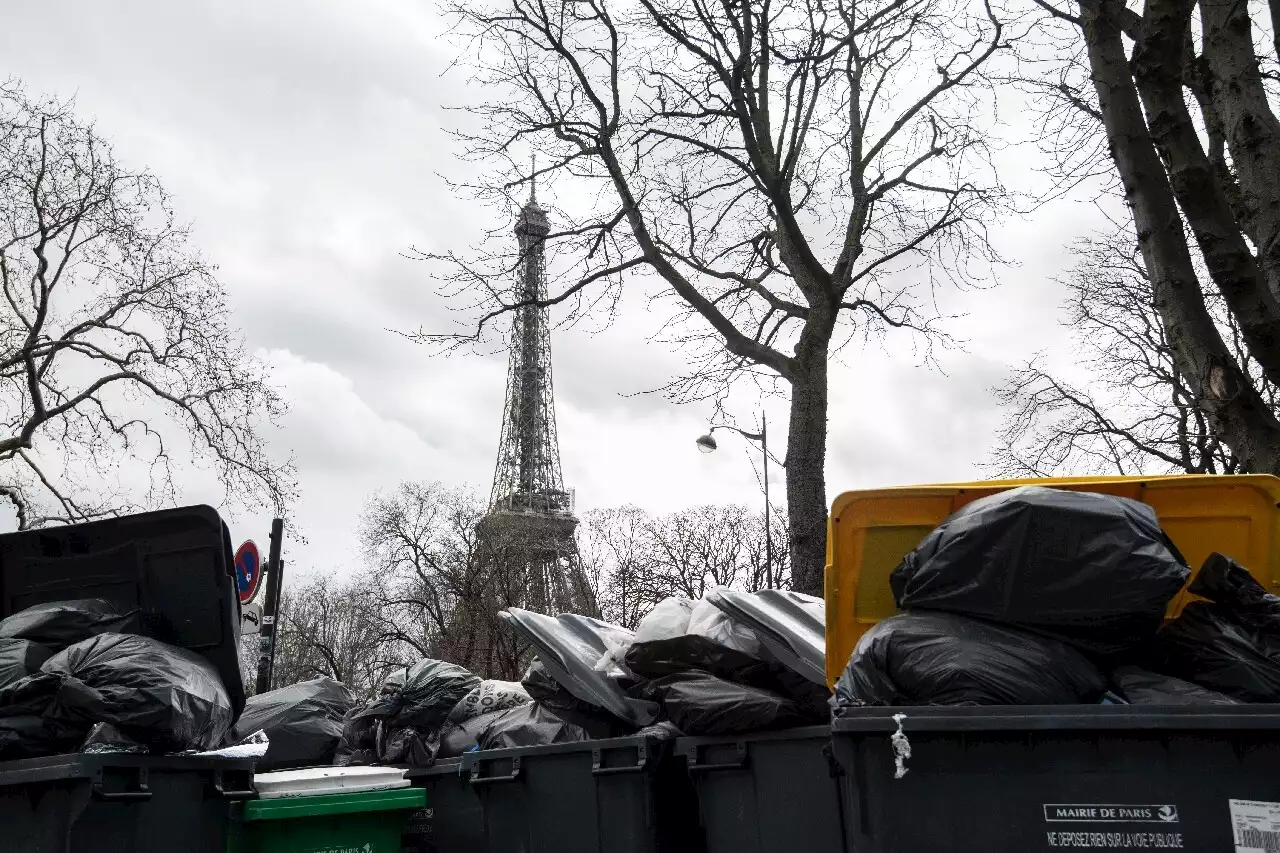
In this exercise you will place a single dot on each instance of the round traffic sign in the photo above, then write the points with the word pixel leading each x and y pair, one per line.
pixel 248 571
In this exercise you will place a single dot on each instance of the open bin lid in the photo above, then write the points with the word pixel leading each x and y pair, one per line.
pixel 174 566
pixel 325 781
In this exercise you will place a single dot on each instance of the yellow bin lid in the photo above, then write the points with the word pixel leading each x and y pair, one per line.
pixel 869 532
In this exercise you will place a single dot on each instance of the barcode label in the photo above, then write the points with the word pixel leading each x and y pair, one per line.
pixel 1256 826
pixel 1255 839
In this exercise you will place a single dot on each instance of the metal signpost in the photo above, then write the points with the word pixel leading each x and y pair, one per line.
pixel 270 609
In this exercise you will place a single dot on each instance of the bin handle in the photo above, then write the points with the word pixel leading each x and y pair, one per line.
pixel 234 794
pixel 139 794
pixel 739 763
pixel 642 761
pixel 477 779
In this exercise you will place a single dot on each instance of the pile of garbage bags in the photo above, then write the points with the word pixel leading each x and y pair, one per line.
pixel 731 662
pixel 1039 596
pixel 74 674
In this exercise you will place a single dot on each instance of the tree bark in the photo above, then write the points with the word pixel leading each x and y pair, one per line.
pixel 1157 67
pixel 1232 403
pixel 807 456
pixel 1253 132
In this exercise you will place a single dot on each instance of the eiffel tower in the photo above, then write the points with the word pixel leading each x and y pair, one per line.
pixel 528 531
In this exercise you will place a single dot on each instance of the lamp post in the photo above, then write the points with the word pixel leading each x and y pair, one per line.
pixel 707 444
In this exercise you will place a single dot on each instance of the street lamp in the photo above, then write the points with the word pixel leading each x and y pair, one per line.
pixel 707 444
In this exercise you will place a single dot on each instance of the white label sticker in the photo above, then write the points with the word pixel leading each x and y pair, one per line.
pixel 1256 826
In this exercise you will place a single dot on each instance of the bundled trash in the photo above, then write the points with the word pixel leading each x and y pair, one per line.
pixel 1138 686
pixel 1092 570
pixel 403 725
pixel 1229 644
pixel 58 624
pixel 162 697
pixel 1017 599
pixel 711 674
pixel 30 637
pixel 942 659
pixel 303 723
pixel 476 713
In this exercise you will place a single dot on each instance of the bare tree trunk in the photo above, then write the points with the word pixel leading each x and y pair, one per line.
pixel 1157 68
pixel 1253 132
pixel 1238 412
pixel 806 461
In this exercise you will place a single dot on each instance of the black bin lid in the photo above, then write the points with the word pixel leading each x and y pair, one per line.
pixel 174 565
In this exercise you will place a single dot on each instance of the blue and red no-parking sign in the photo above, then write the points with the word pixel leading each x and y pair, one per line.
pixel 248 571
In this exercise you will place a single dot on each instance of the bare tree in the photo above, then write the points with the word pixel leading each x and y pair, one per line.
pixel 1195 144
pixel 1138 413
pixel 327 629
pixel 438 585
pixel 641 559
pixel 111 327
pixel 787 174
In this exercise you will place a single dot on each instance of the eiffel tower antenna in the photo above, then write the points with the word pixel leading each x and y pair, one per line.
pixel 531 521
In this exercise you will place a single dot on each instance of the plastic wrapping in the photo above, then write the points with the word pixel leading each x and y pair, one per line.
pixel 570 647
pixel 59 624
pixel 791 625
pixel 698 703
pixel 940 659
pixel 719 645
pixel 1092 570
pixel 303 722
pixel 1142 687
pixel 668 618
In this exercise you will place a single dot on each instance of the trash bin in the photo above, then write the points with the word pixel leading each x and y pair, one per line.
pixel 361 809
pixel 1025 779
pixel 452 821
pixel 773 792
pixel 120 803
pixel 621 795
pixel 173 566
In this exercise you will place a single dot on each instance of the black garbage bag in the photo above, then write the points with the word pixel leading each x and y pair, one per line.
pixel 537 724
pixel 59 624
pixel 940 659
pixel 359 742
pixel 404 722
pixel 1142 687
pixel 1224 581
pixel 1208 645
pixel 698 703
pixel 477 710
pixel 303 723
pixel 541 687
pixel 714 643
pixel 34 736
pixel 20 658
pixel 165 697
pixel 430 690
pixel 1092 570
pixel 1229 644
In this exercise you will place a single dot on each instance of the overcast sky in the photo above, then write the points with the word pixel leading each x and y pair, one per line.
pixel 303 140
